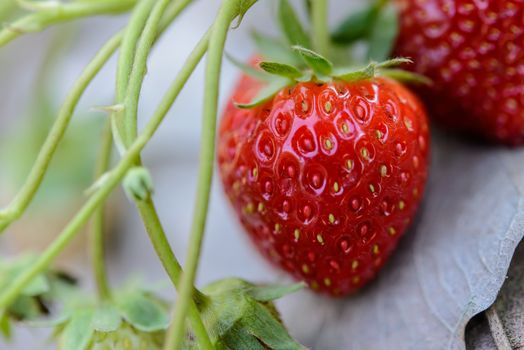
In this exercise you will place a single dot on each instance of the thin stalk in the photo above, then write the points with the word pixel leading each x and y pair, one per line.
pixel 112 180
pixel 19 204
pixel 24 197
pixel 228 11
pixel 125 65
pixel 40 20
pixel 171 265
pixel 130 77
pixel 96 238
pixel 319 10
pixel 139 68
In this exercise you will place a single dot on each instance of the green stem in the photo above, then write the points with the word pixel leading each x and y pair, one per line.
pixel 320 26
pixel 40 20
pixel 228 11
pixel 172 266
pixel 139 68
pixel 19 204
pixel 125 65
pixel 97 224
pixel 112 180
pixel 130 78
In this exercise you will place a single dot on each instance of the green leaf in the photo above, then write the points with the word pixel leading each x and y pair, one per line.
pixel 394 62
pixel 249 70
pixel 239 338
pixel 273 292
pixel 281 69
pixel 143 312
pixel 77 332
pixel 25 308
pixel 275 50
pixel 265 327
pixel 367 72
pixel 356 26
pixel 266 93
pixel 405 76
pixel 5 326
pixel 315 61
pixel 384 33
pixel 38 286
pixel 106 318
pixel 291 25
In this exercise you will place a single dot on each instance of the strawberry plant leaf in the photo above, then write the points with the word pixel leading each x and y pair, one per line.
pixel 106 318
pixel 273 292
pixel 406 76
pixel 263 325
pixel 383 34
pixel 266 93
pixel 275 50
pixel 367 72
pixel 77 332
pixel 143 312
pixel 291 25
pixel 315 61
pixel 356 26
pixel 281 69
pixel 249 70
pixel 5 327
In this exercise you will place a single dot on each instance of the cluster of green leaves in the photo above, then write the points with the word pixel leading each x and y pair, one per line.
pixel 37 299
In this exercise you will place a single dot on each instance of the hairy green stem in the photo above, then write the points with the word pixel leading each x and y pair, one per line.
pixel 319 9
pixel 132 34
pixel 19 204
pixel 228 11
pixel 139 68
pixel 112 180
pixel 96 239
pixel 40 20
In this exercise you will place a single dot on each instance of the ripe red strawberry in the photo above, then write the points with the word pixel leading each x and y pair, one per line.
pixel 474 53
pixel 325 177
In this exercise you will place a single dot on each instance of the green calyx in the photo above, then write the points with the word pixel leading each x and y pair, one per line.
pixel 240 315
pixel 293 60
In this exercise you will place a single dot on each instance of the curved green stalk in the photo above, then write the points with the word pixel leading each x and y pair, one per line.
pixel 139 68
pixel 319 11
pixel 112 180
pixel 132 35
pixel 40 20
pixel 96 238
pixel 227 13
pixel 19 204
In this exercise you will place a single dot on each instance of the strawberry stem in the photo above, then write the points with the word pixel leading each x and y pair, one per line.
pixel 229 10
pixel 96 240
pixel 61 12
pixel 320 26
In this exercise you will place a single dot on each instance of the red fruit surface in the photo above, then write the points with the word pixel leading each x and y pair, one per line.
pixel 474 52
pixel 326 178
